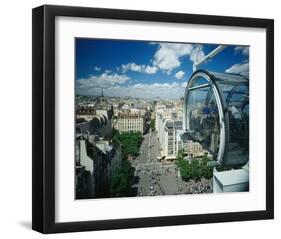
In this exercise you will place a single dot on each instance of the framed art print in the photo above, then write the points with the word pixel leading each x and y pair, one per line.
pixel 147 119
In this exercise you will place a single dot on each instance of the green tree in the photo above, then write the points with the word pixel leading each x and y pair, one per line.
pixel 184 166
pixel 130 143
pixel 196 169
pixel 206 171
pixel 152 124
pixel 180 155
pixel 122 181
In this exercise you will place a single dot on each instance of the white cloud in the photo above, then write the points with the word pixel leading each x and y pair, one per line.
pixel 150 69
pixel 179 75
pixel 242 69
pixel 108 71
pixel 167 58
pixel 96 68
pixel 168 55
pixel 197 53
pixel 93 84
pixel 184 84
pixel 243 49
pixel 150 91
pixel 156 86
pixel 138 68
pixel 172 90
pixel 131 66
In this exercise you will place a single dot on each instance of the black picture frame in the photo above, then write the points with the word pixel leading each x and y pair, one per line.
pixel 43 117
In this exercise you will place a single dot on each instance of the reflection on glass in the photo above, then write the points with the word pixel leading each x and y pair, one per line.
pixel 237 100
pixel 203 119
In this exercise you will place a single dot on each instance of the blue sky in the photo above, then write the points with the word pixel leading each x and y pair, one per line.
pixel 147 69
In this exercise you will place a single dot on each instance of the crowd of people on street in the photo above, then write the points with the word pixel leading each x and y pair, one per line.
pixel 152 172
pixel 202 186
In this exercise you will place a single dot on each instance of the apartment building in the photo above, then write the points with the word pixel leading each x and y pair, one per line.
pixel 129 122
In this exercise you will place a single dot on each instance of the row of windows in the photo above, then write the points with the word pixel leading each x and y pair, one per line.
pixel 132 124
pixel 130 128
pixel 130 120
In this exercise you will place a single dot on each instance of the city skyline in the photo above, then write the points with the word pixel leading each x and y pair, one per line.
pixel 148 70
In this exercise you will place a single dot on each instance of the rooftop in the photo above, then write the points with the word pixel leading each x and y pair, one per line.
pixel 232 177
pixel 129 115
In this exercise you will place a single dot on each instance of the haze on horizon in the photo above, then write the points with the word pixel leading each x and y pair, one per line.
pixel 149 70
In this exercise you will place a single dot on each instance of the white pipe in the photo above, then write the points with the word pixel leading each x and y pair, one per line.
pixel 209 56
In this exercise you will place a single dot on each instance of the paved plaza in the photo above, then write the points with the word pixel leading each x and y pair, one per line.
pixel 161 178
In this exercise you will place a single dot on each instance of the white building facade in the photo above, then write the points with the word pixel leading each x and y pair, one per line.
pixel 129 123
pixel 168 124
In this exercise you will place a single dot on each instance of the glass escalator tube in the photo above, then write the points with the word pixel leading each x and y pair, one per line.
pixel 216 114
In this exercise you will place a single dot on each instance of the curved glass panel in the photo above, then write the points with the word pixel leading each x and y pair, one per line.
pixel 203 117
pixel 237 100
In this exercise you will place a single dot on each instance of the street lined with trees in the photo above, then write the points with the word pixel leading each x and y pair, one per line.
pixel 194 169
pixel 123 180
